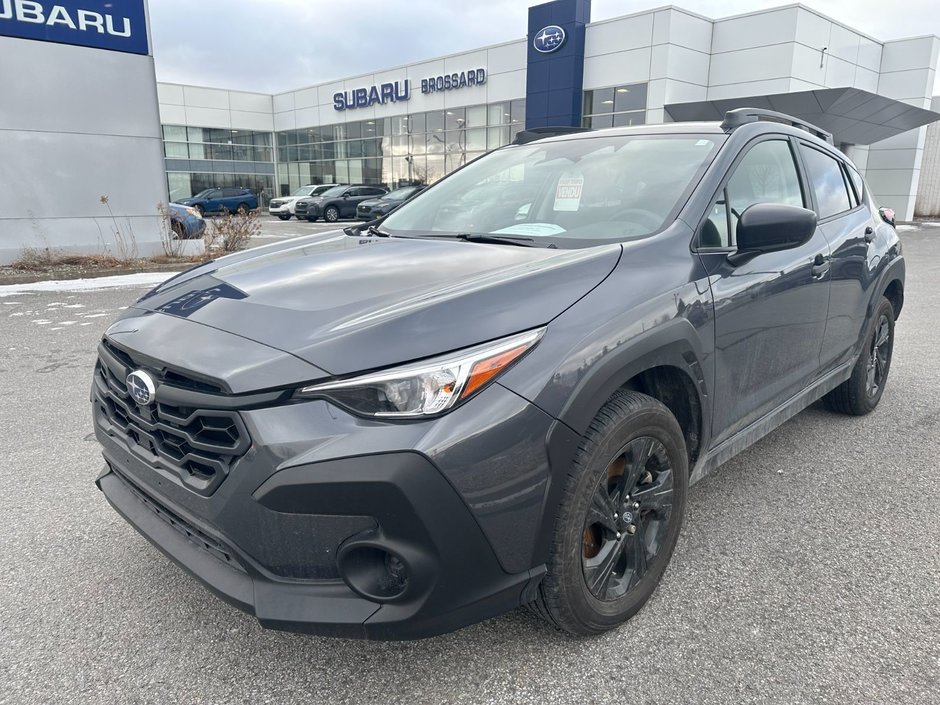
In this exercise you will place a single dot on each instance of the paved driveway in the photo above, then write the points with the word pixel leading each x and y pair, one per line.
pixel 808 569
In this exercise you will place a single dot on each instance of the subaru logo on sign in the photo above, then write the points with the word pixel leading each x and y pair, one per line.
pixel 141 387
pixel 549 39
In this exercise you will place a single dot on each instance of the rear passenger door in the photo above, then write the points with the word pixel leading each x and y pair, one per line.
pixel 848 224
pixel 771 310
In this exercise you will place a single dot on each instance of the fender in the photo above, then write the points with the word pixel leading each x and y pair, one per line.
pixel 674 344
pixel 893 271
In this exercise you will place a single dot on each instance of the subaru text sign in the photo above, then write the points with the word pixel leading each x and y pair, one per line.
pixel 100 24
pixel 401 90
pixel 549 39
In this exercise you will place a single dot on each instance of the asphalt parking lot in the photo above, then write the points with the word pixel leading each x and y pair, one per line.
pixel 274 229
pixel 808 569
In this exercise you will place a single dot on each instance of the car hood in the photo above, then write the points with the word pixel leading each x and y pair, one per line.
pixel 189 201
pixel 348 304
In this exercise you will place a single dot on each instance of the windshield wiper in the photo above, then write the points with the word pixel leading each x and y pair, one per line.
pixel 496 239
pixel 372 229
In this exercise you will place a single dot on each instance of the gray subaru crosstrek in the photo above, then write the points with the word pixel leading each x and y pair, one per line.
pixel 499 394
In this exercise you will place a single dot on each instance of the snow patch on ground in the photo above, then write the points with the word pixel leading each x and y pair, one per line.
pixel 142 279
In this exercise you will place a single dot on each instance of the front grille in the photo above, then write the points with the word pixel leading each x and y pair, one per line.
pixel 201 540
pixel 199 445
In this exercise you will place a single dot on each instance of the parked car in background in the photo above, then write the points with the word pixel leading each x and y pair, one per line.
pixel 283 206
pixel 221 200
pixel 186 222
pixel 338 202
pixel 373 208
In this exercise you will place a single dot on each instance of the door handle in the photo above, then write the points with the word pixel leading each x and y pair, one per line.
pixel 821 265
pixel 869 234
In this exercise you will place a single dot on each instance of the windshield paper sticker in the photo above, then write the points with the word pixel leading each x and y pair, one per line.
pixel 534 229
pixel 568 193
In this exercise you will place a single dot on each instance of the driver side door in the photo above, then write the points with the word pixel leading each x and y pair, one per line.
pixel 770 310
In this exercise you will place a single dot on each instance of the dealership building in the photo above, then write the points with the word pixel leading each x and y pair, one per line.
pixel 89 118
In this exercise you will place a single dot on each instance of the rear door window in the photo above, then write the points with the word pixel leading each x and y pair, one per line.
pixel 825 172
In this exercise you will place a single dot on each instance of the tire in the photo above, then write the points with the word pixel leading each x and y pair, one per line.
pixel 243 209
pixel 633 440
pixel 861 392
pixel 179 231
pixel 284 216
pixel 331 214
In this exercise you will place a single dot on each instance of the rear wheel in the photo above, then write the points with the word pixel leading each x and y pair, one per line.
pixel 861 392
pixel 620 518
pixel 331 214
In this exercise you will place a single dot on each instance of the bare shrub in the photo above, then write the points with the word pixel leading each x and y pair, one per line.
pixel 231 232
pixel 34 259
pixel 125 242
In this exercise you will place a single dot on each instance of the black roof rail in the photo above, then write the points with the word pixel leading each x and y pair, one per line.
pixel 537 133
pixel 742 116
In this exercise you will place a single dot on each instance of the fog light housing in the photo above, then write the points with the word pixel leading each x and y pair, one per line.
pixel 374 572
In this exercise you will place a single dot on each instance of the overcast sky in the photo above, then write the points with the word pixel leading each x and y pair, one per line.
pixel 277 45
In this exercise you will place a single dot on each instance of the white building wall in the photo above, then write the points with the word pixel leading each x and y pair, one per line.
pixel 505 66
pixel 214 107
pixel 928 188
pixel 907 74
pixel 80 124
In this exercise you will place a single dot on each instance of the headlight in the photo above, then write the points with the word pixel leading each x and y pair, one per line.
pixel 194 212
pixel 430 387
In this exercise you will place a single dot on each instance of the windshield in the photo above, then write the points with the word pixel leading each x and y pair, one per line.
pixel 570 193
pixel 320 190
pixel 304 191
pixel 205 194
pixel 399 194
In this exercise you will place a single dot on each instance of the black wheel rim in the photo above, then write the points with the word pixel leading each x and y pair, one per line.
pixel 880 353
pixel 628 519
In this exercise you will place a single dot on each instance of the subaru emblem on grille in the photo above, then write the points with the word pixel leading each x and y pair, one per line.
pixel 141 387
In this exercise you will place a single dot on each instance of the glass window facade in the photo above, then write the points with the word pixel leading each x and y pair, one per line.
pixel 198 158
pixel 620 106
pixel 397 151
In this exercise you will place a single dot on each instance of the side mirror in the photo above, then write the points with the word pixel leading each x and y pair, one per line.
pixel 771 227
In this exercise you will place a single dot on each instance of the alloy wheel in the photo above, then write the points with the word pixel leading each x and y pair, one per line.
pixel 628 519
pixel 878 361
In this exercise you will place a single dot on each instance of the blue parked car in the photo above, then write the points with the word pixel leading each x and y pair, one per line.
pixel 186 221
pixel 220 200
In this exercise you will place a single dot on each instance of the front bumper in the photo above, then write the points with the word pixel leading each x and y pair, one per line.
pixel 280 210
pixel 458 499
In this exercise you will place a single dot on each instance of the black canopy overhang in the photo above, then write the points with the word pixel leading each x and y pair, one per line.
pixel 852 115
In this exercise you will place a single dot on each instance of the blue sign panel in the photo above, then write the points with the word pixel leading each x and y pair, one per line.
pixel 401 90
pixel 555 70
pixel 101 24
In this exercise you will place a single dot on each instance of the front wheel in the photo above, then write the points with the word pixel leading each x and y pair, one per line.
pixel 620 517
pixel 331 214
pixel 861 392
